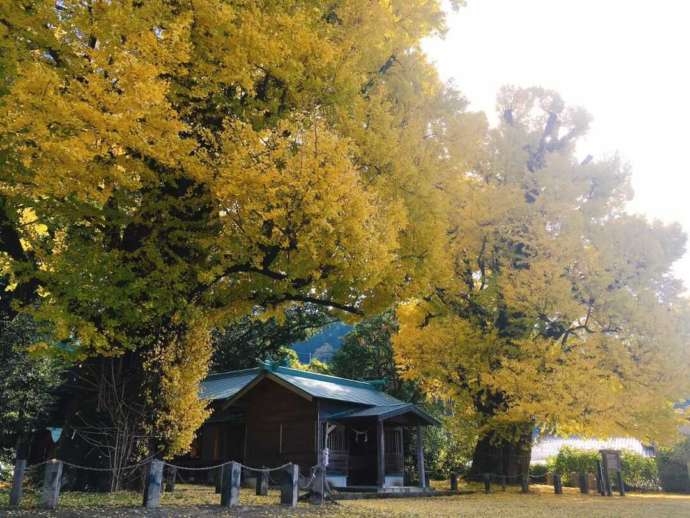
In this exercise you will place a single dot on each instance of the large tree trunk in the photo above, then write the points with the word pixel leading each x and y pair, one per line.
pixel 498 456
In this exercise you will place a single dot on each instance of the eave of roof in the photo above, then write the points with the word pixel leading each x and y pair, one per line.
pixel 386 412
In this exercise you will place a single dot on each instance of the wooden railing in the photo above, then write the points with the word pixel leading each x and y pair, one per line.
pixel 394 463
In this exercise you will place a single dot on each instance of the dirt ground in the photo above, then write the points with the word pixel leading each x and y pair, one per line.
pixel 541 502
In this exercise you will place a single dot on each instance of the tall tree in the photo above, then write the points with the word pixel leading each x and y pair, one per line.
pixel 562 313
pixel 172 166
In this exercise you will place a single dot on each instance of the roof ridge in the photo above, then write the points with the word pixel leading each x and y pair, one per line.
pixel 326 377
pixel 229 374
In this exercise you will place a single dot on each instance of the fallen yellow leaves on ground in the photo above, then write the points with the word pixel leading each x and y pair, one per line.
pixel 194 500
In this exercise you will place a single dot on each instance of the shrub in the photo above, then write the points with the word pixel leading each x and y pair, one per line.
pixel 673 468
pixel 639 472
pixel 6 465
pixel 570 461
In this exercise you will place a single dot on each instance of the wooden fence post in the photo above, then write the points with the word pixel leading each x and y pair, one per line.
pixel 557 484
pixel 487 483
pixel 453 481
pixel 17 480
pixel 525 483
pixel 219 480
pixel 584 483
pixel 230 492
pixel 170 479
pixel 262 483
pixel 600 479
pixel 154 484
pixel 51 485
pixel 289 491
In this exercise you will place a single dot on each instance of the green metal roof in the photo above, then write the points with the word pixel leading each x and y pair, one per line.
pixel 226 385
pixel 385 412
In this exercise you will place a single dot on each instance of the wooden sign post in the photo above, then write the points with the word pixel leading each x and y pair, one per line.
pixel 611 463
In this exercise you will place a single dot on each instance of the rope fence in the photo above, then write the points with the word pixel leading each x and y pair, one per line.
pixel 230 474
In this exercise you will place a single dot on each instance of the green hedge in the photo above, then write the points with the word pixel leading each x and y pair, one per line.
pixel 639 472
pixel 673 468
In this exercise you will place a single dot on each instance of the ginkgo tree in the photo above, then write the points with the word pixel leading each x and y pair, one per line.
pixel 562 315
pixel 170 166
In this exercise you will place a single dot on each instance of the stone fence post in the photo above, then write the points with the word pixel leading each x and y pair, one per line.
pixel 154 484
pixel 289 491
pixel 51 485
pixel 17 481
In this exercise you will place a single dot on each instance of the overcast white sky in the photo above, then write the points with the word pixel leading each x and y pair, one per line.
pixel 626 61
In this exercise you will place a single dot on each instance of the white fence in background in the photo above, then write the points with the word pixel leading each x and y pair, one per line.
pixel 550 446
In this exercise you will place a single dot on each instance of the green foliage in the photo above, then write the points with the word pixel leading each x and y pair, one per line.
pixel 673 467
pixel 27 381
pixel 538 472
pixel 242 344
pixel 570 461
pixel 444 448
pixel 367 353
pixel 640 472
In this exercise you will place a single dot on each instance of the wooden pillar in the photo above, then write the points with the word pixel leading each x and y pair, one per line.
pixel 230 492
pixel 380 454
pixel 289 492
pixel 420 457
pixel 557 484
pixel 453 481
pixel 51 485
pixel 170 479
pixel 17 480
pixel 584 483
pixel 154 483
pixel 262 483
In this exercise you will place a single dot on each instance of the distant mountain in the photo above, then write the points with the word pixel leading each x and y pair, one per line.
pixel 322 345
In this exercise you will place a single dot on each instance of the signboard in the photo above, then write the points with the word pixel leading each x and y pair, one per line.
pixel 612 460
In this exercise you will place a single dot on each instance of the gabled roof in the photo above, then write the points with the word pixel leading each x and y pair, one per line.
pixel 228 384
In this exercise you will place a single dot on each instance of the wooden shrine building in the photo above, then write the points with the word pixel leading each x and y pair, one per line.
pixel 271 415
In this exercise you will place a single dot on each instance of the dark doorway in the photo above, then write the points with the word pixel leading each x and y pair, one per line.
pixel 362 439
